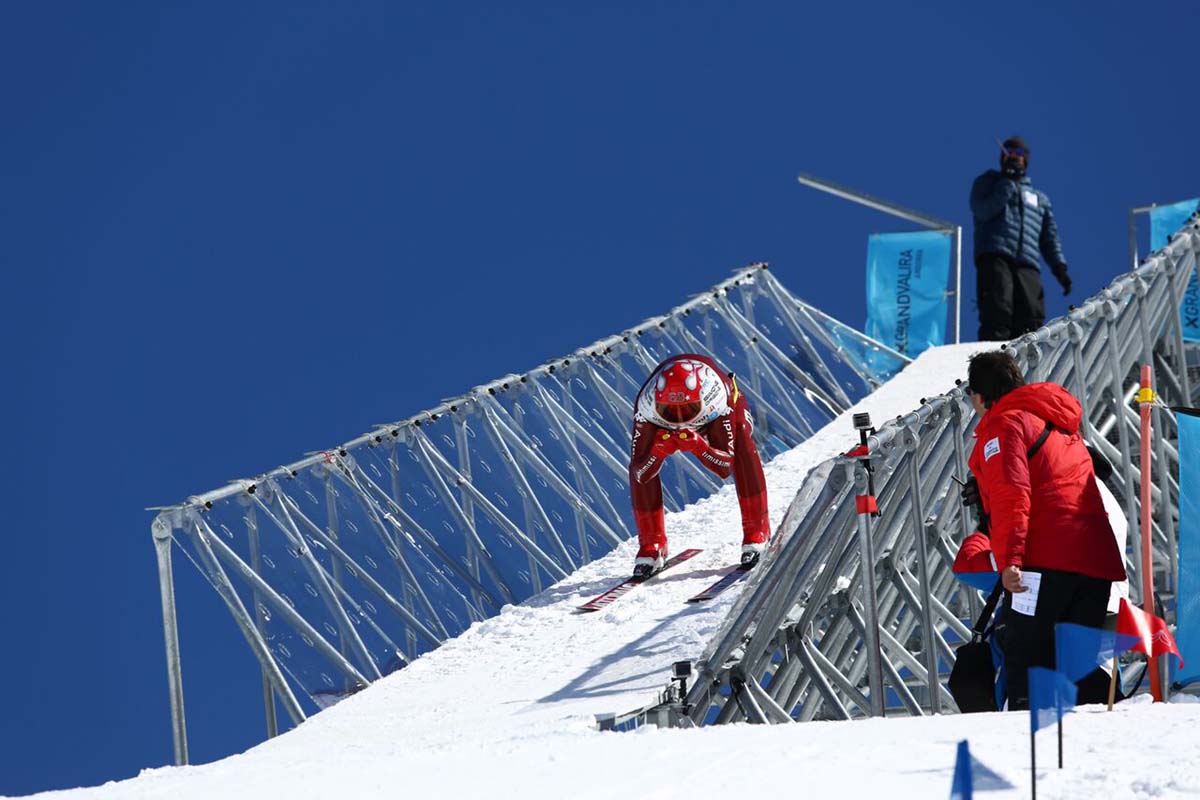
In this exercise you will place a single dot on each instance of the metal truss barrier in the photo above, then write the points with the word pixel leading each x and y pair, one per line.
pixel 815 636
pixel 346 565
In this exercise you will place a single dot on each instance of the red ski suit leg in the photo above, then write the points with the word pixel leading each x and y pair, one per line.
pixel 748 478
pixel 645 489
pixel 727 448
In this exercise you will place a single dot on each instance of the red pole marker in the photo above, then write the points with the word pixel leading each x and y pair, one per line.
pixel 1145 400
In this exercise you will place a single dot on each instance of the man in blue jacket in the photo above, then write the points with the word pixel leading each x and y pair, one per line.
pixel 1013 226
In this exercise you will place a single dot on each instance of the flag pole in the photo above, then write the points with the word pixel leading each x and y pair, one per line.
pixel 1145 400
pixel 1032 760
pixel 1060 738
pixel 1112 682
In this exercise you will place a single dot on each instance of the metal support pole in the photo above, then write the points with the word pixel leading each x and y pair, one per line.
pixel 1177 291
pixel 204 541
pixel 464 466
pixel 351 474
pixel 256 564
pixel 393 466
pixel 161 531
pixel 348 637
pixel 581 466
pixel 957 419
pixel 858 474
pixel 1118 392
pixel 917 515
pixel 414 625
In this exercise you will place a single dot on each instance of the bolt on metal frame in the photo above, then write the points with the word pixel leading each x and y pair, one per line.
pixel 822 636
pixel 344 566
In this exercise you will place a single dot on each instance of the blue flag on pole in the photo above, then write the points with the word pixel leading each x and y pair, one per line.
pixel 1079 649
pixel 1051 694
pixel 961 788
pixel 907 275
pixel 1165 220
pixel 1187 613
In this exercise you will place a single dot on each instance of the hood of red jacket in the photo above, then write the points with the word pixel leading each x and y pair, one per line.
pixel 1046 401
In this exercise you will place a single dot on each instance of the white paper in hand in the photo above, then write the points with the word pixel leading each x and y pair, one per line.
pixel 1026 602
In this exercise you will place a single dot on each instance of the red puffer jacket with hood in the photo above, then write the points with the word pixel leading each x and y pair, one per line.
pixel 1046 511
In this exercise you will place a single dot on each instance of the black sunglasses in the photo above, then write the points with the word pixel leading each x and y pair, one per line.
pixel 1016 151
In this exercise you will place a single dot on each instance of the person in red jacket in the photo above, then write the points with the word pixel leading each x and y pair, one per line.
pixel 689 405
pixel 1050 535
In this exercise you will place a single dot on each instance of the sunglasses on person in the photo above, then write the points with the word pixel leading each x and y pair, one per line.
pixel 1016 151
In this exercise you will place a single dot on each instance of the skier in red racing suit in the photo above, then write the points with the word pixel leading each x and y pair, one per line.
pixel 689 405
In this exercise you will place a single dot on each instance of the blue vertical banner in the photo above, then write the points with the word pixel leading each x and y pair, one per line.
pixel 1187 612
pixel 907 275
pixel 1165 220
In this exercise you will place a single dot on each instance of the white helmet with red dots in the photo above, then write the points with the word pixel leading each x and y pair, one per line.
pixel 684 394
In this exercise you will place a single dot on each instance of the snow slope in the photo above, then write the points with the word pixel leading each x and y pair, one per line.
pixel 507 709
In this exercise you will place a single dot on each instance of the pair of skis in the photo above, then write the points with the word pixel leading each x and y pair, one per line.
pixel 731 576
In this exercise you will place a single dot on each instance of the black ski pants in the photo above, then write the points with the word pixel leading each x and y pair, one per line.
pixel 1010 298
pixel 1028 641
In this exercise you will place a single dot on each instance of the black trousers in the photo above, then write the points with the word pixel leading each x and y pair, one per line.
pixel 1010 298
pixel 1028 641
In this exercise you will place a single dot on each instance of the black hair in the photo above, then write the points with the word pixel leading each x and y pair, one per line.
pixel 1013 142
pixel 993 375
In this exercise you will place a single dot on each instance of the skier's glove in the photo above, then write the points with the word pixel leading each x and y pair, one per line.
pixel 665 444
pixel 691 442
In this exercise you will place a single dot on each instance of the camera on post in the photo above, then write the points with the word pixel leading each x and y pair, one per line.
pixel 862 421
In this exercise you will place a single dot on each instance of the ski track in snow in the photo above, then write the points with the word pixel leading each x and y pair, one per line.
pixel 507 709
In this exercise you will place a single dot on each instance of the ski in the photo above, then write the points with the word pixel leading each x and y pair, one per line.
pixel 626 586
pixel 731 577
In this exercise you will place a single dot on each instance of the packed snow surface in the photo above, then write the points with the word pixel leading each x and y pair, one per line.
pixel 507 709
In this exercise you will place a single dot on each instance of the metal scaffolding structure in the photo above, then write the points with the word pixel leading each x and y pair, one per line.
pixel 853 614
pixel 342 567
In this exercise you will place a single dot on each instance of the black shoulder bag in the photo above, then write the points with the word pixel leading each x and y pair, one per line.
pixel 973 677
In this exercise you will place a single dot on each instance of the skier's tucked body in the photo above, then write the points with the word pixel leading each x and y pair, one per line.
pixel 689 405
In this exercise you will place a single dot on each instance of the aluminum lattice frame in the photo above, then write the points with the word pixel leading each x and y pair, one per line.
pixel 813 637
pixel 344 566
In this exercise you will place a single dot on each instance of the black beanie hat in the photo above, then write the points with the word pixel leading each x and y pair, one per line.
pixel 1015 141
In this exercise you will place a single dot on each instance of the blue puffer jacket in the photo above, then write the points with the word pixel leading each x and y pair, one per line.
pixel 1013 219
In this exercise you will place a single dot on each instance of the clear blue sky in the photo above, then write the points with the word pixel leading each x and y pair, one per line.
pixel 232 233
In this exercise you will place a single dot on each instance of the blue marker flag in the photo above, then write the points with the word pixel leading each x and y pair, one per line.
pixel 1187 613
pixel 1051 695
pixel 907 274
pixel 1079 649
pixel 1165 220
pixel 961 788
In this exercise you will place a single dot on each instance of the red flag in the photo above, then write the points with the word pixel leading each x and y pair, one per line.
pixel 1154 638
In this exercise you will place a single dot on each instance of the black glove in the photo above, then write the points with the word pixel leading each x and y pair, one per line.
pixel 970 493
pixel 1064 280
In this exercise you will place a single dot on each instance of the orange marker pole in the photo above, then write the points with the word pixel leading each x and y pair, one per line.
pixel 1146 404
